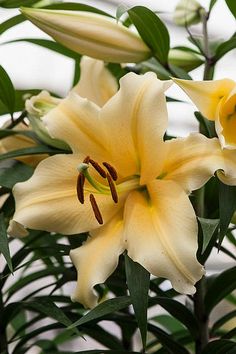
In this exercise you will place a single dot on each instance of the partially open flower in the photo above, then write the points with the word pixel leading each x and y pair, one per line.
pixel 216 100
pixel 91 34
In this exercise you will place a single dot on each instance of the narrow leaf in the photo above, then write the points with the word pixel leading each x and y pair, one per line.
pixel 212 4
pixel 222 321
pixel 221 286
pixel 7 91
pixel 208 226
pixel 103 309
pixel 40 149
pixel 4 247
pixel 232 6
pixel 138 280
pixel 227 207
pixel 77 7
pixel 121 10
pixel 225 47
pixel 221 346
pixel 10 4
pixel 152 30
pixel 11 22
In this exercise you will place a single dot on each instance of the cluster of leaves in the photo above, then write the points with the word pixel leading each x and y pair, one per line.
pixel 178 327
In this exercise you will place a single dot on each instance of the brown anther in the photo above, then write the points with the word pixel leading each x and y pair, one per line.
pixel 98 168
pixel 80 187
pixel 112 188
pixel 87 159
pixel 96 210
pixel 111 170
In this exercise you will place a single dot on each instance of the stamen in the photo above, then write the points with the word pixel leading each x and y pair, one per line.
pixel 96 210
pixel 80 187
pixel 86 160
pixel 111 170
pixel 98 168
pixel 112 188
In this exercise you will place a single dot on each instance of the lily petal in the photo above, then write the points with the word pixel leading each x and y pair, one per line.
pixel 192 161
pixel 135 120
pixel 161 234
pixel 76 121
pixel 96 260
pixel 96 82
pixel 226 121
pixel 206 94
pixel 48 200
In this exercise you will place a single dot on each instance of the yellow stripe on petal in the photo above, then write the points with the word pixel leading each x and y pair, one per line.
pixel 161 234
pixel 206 95
pixel 96 82
pixel 96 260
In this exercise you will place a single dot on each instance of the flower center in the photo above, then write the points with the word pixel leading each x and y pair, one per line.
pixel 110 187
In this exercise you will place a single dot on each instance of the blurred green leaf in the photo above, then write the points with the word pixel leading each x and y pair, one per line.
pixel 121 10
pixel 225 47
pixel 232 6
pixel 169 322
pixel 48 44
pixel 138 280
pixel 11 22
pixel 76 7
pixel 40 149
pixel 222 321
pixel 227 207
pixel 220 286
pixel 4 247
pixel 221 346
pixel 7 91
pixel 153 65
pixel 179 72
pixel 103 309
pixel 179 311
pixel 19 100
pixel 18 172
pixel 152 30
pixel 212 4
pixel 9 4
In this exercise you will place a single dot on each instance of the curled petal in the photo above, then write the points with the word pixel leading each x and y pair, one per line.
pixel 192 161
pixel 96 82
pixel 96 260
pixel 206 94
pixel 48 200
pixel 135 121
pixel 161 234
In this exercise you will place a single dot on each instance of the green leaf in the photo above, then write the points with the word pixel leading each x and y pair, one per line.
pixel 4 247
pixel 76 7
pixel 225 47
pixel 153 65
pixel 152 30
pixel 10 4
pixel 138 280
pixel 223 320
pixel 179 72
pixel 103 309
pixel 40 149
pixel 208 226
pixel 221 346
pixel 7 91
pixel 48 44
pixel 212 4
pixel 17 172
pixel 179 311
pixel 11 22
pixel 221 286
pixel 121 10
pixel 232 6
pixel 45 306
pixel 19 100
pixel 76 72
pixel 227 207
pixel 207 127
pixel 170 323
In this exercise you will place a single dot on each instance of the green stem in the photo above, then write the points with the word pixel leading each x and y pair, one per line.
pixel 201 317
pixel 3 335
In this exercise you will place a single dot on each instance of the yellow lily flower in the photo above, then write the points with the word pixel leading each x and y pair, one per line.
pixel 216 100
pixel 91 34
pixel 123 184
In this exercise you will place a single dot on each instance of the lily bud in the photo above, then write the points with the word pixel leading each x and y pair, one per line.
pixel 187 12
pixel 91 34
pixel 185 60
pixel 37 107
